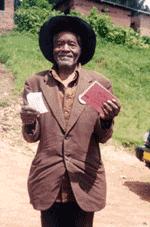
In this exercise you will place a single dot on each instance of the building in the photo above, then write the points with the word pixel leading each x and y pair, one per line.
pixel 120 15
pixel 6 15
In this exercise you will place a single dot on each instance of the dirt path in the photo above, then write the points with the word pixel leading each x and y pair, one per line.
pixel 128 180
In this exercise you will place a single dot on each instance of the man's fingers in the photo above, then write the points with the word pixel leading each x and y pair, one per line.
pixel 110 109
pixel 108 106
pixel 27 108
pixel 28 114
pixel 112 106
pixel 116 102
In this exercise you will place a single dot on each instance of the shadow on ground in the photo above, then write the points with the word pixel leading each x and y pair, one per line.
pixel 142 189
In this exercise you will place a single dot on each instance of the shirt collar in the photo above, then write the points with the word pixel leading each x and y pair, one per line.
pixel 54 74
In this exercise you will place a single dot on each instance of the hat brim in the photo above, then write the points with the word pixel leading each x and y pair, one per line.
pixel 67 23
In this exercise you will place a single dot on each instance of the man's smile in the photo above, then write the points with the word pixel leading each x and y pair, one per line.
pixel 64 56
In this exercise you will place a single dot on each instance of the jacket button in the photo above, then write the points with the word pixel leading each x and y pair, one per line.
pixel 67 137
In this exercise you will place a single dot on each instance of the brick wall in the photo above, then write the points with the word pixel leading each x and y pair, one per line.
pixel 119 15
pixel 6 16
pixel 145 24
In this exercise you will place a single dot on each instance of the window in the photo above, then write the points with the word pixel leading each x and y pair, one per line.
pixel 1 4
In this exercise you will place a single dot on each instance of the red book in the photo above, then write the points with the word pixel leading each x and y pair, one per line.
pixel 95 95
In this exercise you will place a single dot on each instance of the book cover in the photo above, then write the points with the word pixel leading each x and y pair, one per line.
pixel 95 95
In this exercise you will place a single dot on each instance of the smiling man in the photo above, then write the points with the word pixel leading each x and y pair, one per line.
pixel 67 178
pixel 66 50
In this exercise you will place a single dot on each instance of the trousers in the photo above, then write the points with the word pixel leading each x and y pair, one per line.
pixel 66 215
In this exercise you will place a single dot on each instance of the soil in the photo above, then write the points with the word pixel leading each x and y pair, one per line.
pixel 128 179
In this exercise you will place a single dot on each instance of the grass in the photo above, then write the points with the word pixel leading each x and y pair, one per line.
pixel 127 68
pixel 22 55
pixel 3 104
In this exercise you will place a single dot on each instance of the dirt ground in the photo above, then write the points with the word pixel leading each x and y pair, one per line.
pixel 128 180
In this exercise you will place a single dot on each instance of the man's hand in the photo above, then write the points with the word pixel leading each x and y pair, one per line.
pixel 111 108
pixel 28 115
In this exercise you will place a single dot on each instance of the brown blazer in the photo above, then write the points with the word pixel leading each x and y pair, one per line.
pixel 75 148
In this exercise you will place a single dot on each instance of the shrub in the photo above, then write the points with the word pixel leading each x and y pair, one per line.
pixel 133 39
pixel 146 39
pixel 32 18
pixel 100 23
pixel 30 3
pixel 32 14
pixel 104 28
pixel 116 35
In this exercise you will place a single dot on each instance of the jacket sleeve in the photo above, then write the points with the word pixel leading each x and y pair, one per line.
pixel 31 133
pixel 103 130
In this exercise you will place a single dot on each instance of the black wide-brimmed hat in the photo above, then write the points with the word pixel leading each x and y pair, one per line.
pixel 72 24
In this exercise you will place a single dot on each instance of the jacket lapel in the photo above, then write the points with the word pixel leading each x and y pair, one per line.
pixel 49 90
pixel 50 93
pixel 77 108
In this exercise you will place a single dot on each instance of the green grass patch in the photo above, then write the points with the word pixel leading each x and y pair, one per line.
pixel 20 52
pixel 127 68
pixel 3 104
pixel 129 71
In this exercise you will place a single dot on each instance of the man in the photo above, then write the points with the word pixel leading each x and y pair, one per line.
pixel 67 177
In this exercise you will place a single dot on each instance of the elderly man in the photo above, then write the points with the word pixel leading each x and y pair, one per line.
pixel 67 178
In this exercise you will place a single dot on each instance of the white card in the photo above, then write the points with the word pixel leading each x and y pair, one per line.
pixel 35 101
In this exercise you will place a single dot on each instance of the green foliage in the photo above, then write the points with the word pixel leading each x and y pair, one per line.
pixel 104 28
pixel 23 56
pixel 32 14
pixel 129 74
pixel 116 35
pixel 52 2
pixel 100 23
pixel 76 14
pixel 3 104
pixel 30 3
pixel 31 19
pixel 146 39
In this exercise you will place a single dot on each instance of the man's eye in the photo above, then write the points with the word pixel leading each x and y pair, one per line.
pixel 59 44
pixel 73 44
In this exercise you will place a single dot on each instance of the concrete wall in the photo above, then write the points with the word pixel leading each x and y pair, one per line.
pixel 7 16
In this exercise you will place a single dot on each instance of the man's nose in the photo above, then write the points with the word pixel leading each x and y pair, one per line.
pixel 66 47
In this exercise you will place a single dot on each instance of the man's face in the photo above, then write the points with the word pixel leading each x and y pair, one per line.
pixel 66 49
